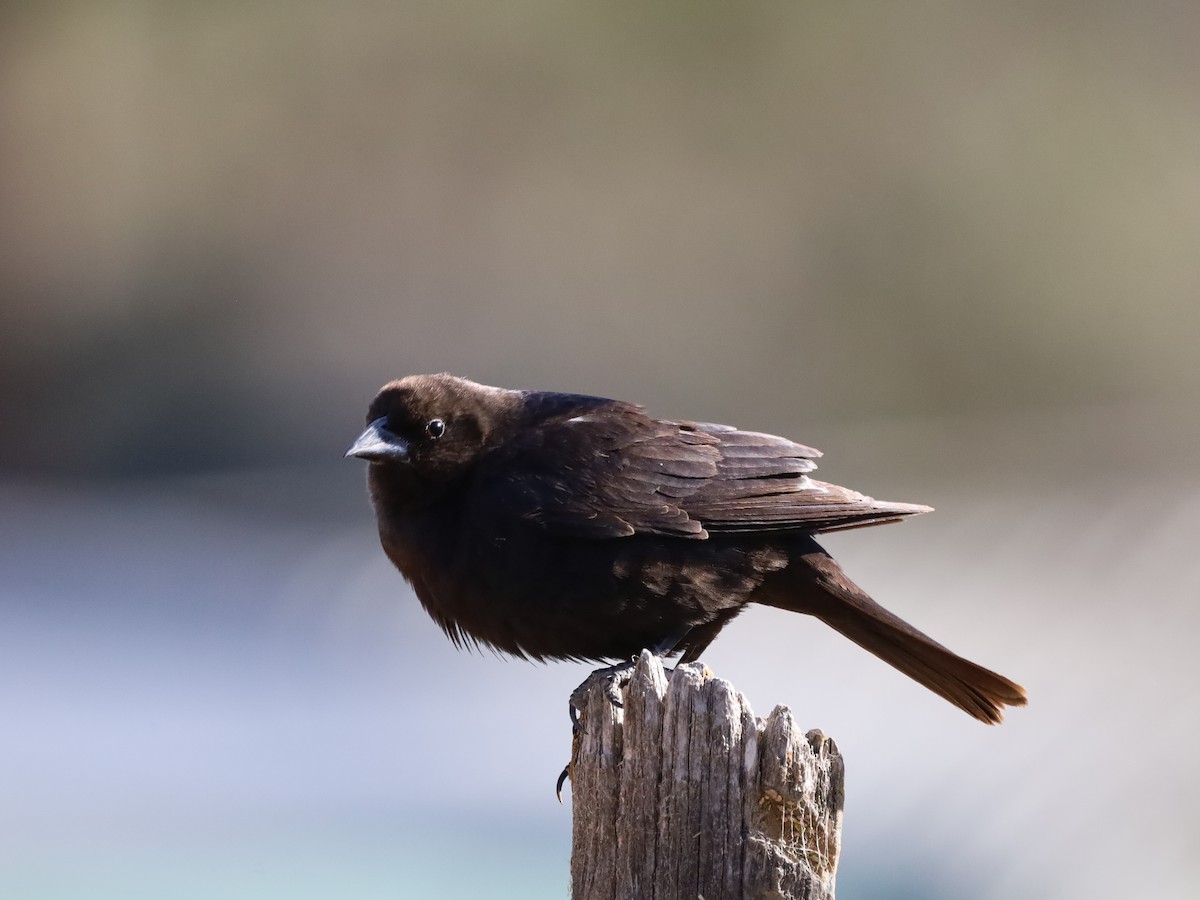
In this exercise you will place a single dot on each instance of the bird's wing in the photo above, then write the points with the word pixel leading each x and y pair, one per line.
pixel 762 483
pixel 611 472
pixel 603 471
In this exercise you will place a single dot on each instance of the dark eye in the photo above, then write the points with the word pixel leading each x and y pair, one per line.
pixel 436 428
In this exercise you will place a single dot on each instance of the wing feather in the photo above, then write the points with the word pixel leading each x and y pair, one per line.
pixel 603 469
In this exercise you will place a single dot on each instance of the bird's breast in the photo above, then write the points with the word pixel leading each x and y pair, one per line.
pixel 527 592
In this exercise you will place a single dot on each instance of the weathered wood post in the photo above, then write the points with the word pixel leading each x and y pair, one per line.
pixel 684 793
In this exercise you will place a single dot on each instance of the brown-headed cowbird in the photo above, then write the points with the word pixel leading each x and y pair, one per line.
pixel 562 526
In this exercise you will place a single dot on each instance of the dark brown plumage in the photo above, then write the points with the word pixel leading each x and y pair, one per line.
pixel 561 526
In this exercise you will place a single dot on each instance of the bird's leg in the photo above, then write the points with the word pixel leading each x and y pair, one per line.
pixel 618 675
pixel 668 644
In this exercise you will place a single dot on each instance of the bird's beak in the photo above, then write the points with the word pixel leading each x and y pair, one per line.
pixel 377 444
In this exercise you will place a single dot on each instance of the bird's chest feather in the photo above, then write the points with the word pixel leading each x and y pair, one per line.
pixel 489 585
pixel 526 591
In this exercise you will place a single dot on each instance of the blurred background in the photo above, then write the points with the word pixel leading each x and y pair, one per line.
pixel 953 245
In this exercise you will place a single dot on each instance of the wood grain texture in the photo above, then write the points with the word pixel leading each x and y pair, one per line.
pixel 685 793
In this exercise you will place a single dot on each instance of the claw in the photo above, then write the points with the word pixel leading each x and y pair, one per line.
pixel 616 677
pixel 562 778
pixel 619 675
pixel 573 711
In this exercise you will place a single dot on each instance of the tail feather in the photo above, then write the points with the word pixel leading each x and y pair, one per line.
pixel 844 606
pixel 977 691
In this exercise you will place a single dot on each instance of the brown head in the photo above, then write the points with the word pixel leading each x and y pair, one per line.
pixel 425 431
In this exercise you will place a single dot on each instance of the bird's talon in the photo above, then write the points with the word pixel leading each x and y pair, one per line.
pixel 573 712
pixel 562 778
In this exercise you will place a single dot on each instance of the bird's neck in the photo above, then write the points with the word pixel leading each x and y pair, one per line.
pixel 397 488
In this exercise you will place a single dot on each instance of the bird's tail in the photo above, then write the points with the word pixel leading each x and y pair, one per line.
pixel 832 597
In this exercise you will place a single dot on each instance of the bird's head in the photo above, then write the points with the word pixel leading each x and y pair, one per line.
pixel 425 431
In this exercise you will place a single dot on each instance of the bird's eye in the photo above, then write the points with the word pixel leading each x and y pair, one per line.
pixel 436 428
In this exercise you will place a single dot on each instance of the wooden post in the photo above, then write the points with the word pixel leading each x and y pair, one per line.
pixel 684 793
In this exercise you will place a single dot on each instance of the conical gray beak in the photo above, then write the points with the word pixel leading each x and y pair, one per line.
pixel 377 444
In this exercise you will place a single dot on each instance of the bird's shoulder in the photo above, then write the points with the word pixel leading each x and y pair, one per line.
pixel 587 466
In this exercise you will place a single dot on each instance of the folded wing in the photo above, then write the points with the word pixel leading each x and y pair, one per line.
pixel 610 471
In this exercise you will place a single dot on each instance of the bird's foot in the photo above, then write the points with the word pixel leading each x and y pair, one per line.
pixel 618 676
pixel 614 678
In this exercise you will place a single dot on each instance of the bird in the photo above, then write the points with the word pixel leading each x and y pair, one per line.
pixel 561 526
